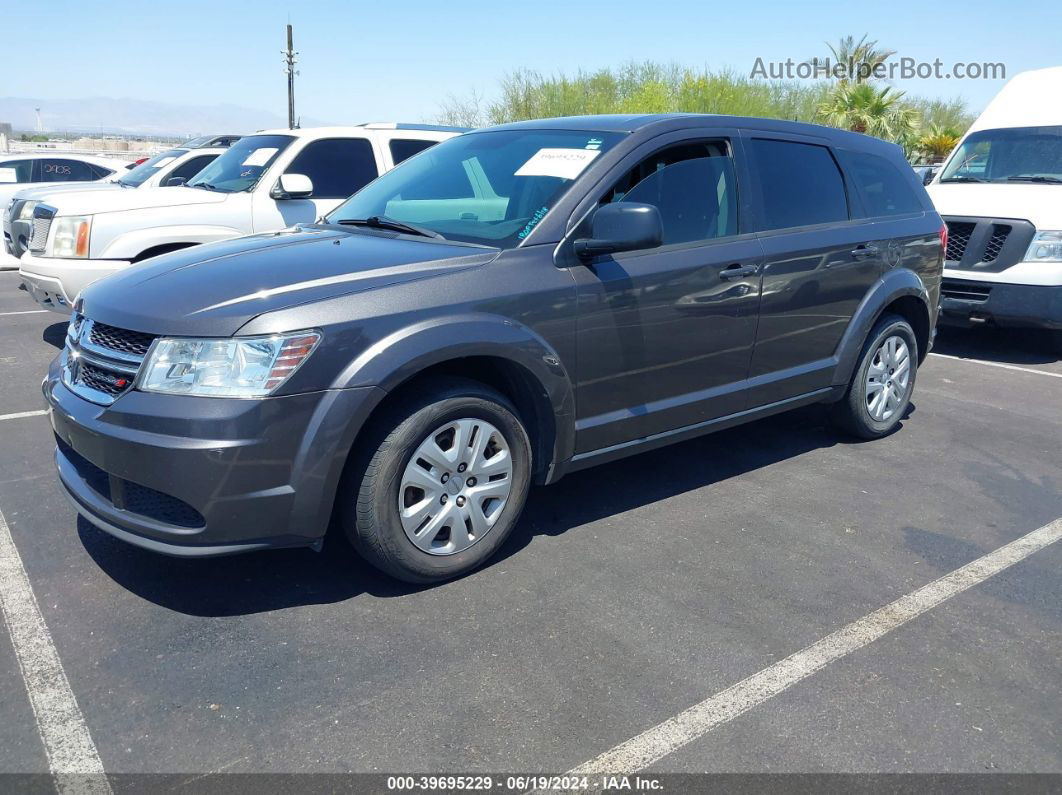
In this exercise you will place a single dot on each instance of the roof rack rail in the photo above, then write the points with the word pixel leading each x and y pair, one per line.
pixel 391 125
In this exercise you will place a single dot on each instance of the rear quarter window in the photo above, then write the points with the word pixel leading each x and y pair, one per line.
pixel 800 184
pixel 884 188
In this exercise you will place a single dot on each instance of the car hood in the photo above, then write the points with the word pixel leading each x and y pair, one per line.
pixel 1040 204
pixel 42 191
pixel 90 202
pixel 214 289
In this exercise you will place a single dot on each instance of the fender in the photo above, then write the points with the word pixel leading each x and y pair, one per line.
pixel 404 353
pixel 128 245
pixel 892 285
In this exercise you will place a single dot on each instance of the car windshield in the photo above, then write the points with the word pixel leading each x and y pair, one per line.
pixel 1015 154
pixel 241 167
pixel 138 175
pixel 489 188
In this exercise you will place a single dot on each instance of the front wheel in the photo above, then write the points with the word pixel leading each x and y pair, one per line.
pixel 881 386
pixel 444 486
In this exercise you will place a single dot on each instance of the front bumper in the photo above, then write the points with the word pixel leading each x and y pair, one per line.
pixel 54 283
pixel 198 477
pixel 966 302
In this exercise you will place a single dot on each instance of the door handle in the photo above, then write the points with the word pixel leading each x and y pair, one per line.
pixel 737 271
pixel 865 250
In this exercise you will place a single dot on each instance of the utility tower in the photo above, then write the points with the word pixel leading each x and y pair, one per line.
pixel 289 69
pixel 40 127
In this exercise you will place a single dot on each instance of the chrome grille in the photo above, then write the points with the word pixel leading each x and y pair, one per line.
pixel 101 362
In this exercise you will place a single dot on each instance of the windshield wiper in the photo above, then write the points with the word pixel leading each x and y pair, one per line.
pixel 1034 179
pixel 383 222
pixel 963 178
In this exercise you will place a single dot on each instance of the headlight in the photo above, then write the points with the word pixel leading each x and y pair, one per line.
pixel 70 236
pixel 1046 247
pixel 236 367
pixel 27 210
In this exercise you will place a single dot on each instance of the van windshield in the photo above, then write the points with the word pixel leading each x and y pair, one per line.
pixel 490 188
pixel 241 167
pixel 1017 154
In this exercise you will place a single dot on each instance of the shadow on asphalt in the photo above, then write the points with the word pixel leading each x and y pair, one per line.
pixel 273 580
pixel 55 335
pixel 1009 346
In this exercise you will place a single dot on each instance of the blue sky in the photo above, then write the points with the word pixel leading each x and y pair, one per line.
pixel 400 60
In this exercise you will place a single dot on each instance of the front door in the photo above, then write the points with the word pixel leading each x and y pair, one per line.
pixel 665 335
pixel 337 167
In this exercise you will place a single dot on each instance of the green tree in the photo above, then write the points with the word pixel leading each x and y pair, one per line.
pixel 860 58
pixel 863 108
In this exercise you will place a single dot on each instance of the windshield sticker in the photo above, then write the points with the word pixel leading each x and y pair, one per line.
pixel 594 143
pixel 164 162
pixel 540 213
pixel 8 175
pixel 563 163
pixel 259 157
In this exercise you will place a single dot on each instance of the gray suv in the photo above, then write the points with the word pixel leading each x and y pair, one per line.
pixel 508 306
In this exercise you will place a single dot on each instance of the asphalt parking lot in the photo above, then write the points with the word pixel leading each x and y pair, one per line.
pixel 628 594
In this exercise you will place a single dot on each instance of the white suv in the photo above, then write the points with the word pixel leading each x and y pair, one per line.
pixel 264 182
pixel 169 167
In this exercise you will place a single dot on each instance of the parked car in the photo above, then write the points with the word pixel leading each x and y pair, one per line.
pixel 35 169
pixel 1000 193
pixel 168 168
pixel 925 172
pixel 263 182
pixel 508 306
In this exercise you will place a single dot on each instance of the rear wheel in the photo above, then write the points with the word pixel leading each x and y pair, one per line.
pixel 881 386
pixel 444 483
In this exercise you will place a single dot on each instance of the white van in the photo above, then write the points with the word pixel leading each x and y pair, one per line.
pixel 1000 194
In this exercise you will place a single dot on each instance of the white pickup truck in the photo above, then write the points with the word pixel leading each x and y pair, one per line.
pixel 264 182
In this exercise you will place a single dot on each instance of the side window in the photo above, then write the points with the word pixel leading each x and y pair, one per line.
pixel 61 170
pixel 191 167
pixel 99 172
pixel 404 149
pixel 800 184
pixel 693 186
pixel 337 167
pixel 886 191
pixel 16 171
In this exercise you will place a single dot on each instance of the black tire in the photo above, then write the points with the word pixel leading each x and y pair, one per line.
pixel 852 414
pixel 369 497
pixel 1056 339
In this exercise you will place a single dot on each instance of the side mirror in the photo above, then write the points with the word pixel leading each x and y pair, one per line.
pixel 928 176
pixel 623 226
pixel 176 182
pixel 292 186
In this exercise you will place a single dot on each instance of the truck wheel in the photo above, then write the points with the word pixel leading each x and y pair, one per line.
pixel 444 483
pixel 881 386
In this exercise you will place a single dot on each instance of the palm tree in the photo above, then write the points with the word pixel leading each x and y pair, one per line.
pixel 936 143
pixel 861 107
pixel 860 58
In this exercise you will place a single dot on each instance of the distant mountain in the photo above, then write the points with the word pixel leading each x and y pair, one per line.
pixel 139 117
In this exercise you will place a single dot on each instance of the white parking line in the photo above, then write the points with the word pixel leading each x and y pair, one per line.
pixel 655 743
pixel 997 364
pixel 20 414
pixel 26 312
pixel 72 757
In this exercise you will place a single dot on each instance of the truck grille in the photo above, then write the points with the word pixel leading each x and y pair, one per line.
pixel 1000 233
pixel 42 224
pixel 962 290
pixel 958 239
pixel 101 362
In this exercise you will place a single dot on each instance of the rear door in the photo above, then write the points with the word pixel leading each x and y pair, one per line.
pixel 818 262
